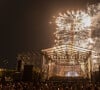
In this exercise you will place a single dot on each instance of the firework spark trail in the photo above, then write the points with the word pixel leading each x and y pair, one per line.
pixel 70 23
pixel 94 12
pixel 79 19
pixel 81 22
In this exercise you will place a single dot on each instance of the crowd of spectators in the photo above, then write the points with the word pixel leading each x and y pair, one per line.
pixel 50 85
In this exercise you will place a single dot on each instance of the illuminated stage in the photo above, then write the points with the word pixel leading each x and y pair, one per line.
pixel 64 64
pixel 74 53
pixel 67 71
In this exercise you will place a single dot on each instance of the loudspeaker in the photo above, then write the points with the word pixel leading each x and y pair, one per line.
pixel 27 73
pixel 19 62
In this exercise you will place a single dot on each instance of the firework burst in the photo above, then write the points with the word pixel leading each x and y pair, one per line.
pixel 77 26
pixel 79 19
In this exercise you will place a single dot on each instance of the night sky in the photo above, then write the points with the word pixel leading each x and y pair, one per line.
pixel 24 25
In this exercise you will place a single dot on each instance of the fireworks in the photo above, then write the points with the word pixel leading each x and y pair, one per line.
pixel 79 20
pixel 73 27
pixel 77 26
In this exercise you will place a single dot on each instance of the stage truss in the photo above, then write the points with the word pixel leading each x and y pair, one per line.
pixel 58 61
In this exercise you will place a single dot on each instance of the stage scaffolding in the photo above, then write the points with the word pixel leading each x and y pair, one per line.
pixel 62 62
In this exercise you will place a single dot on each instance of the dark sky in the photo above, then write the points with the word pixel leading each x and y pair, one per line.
pixel 24 25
